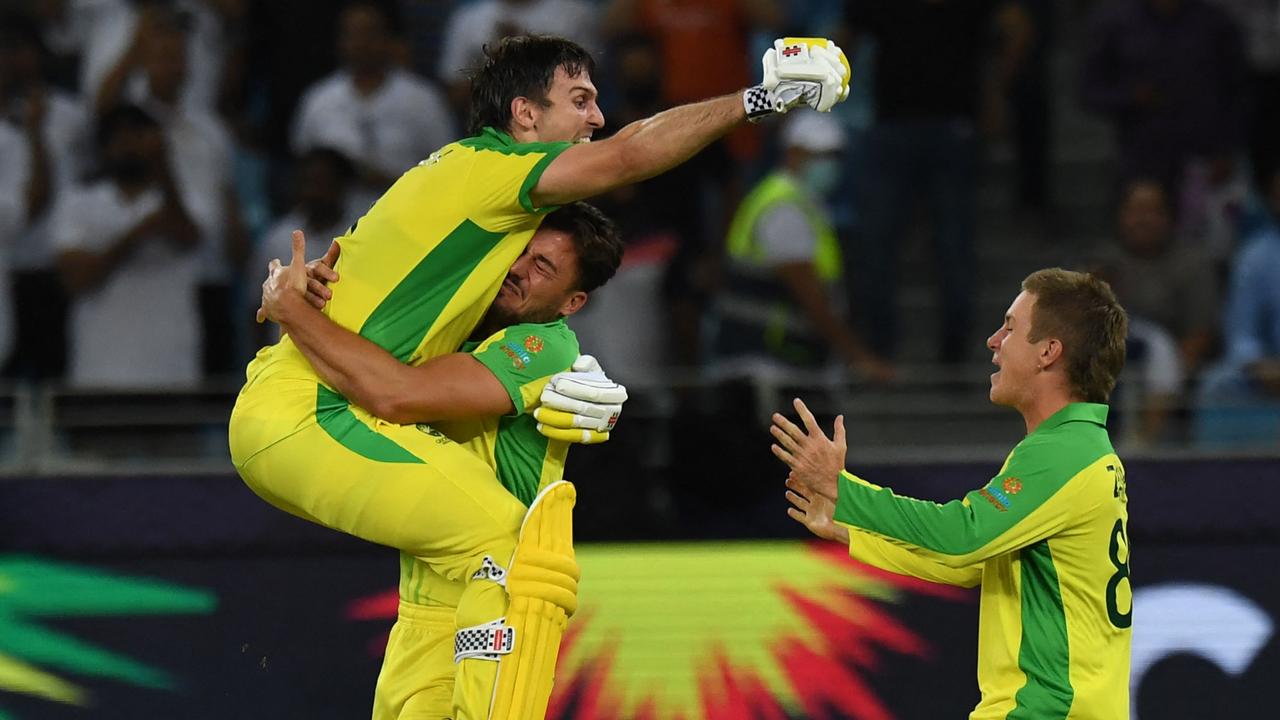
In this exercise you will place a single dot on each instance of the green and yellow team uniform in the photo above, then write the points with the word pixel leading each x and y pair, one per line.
pixel 416 682
pixel 418 271
pixel 1047 541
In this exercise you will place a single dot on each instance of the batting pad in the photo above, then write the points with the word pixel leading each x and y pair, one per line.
pixel 543 588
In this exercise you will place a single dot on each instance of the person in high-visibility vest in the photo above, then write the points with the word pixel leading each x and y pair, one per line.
pixel 784 264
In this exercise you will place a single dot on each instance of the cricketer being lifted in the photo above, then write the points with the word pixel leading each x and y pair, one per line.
pixel 418 272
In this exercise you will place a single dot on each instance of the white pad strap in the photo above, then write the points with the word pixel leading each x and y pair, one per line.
pixel 489 641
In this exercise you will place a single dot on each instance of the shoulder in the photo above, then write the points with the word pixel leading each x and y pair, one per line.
pixel 550 344
pixel 331 88
pixel 1061 453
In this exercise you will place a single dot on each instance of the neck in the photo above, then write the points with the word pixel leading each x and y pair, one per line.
pixel 486 328
pixel 1041 407
pixel 133 188
pixel 368 80
pixel 165 96
pixel 523 135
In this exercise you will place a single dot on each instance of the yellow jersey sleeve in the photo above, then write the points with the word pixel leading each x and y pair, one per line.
pixel 888 556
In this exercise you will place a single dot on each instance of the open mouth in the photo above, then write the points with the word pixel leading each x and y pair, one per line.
pixel 510 286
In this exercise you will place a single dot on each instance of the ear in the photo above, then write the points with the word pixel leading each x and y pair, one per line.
pixel 573 303
pixel 1050 352
pixel 524 114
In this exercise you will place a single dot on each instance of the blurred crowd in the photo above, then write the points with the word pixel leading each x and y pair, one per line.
pixel 155 154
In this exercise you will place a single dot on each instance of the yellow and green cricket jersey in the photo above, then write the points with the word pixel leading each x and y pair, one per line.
pixel 1048 539
pixel 523 358
pixel 417 272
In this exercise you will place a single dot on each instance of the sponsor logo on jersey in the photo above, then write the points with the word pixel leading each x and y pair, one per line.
pixel 519 356
pixel 533 344
pixel 1012 485
pixel 998 499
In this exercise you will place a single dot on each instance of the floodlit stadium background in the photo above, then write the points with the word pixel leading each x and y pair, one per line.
pixel 139 578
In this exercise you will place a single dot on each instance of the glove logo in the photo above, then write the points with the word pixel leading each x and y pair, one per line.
pixel 792 50
pixel 533 344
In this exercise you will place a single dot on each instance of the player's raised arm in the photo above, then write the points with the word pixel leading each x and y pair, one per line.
pixel 809 71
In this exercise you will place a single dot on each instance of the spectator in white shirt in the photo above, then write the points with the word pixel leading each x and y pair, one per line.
pixel 381 116
pixel 112 33
pixel 53 134
pixel 127 253
pixel 200 153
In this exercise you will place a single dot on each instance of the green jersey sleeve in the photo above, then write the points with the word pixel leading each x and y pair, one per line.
pixel 999 517
pixel 523 357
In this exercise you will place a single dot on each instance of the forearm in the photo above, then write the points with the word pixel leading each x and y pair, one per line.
pixel 111 90
pixel 658 143
pixel 808 291
pixel 880 553
pixel 357 368
pixel 181 229
pixel 921 524
pixel 82 271
pixel 38 185
pixel 638 151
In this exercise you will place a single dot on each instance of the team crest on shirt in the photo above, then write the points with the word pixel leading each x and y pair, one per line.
pixel 533 344
pixel 1012 485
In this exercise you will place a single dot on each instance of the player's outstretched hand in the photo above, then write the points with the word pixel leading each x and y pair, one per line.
pixel 580 405
pixel 809 71
pixel 815 460
pixel 815 512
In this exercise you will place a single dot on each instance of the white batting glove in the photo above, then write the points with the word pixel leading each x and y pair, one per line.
pixel 580 405
pixel 812 71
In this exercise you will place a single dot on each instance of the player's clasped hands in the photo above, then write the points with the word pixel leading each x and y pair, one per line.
pixel 309 280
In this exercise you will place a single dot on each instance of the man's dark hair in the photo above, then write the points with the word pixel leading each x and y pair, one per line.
pixel 521 66
pixel 595 239
pixel 123 116
pixel 386 12
pixel 1082 312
